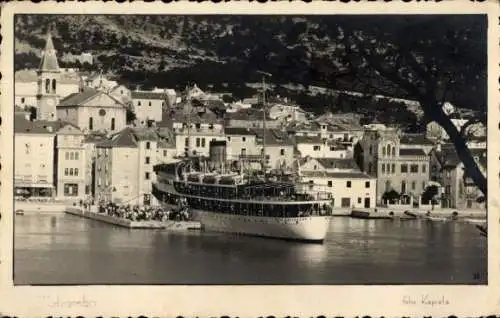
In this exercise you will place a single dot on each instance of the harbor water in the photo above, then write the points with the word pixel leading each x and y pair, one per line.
pixel 56 248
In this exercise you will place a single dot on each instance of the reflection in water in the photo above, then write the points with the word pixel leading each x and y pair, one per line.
pixel 67 249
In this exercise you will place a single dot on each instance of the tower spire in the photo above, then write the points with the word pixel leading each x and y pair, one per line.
pixel 49 62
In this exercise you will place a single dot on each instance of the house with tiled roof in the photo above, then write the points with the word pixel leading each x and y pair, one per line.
pixel 242 144
pixel 459 190
pixel 416 141
pixel 250 118
pixel 328 164
pixel 70 159
pixel 33 158
pixel 279 148
pixel 124 164
pixel 194 128
pixel 93 110
pixel 150 105
pixel 317 147
pixel 349 186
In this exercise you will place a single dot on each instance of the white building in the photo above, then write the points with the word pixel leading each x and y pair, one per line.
pixel 193 132
pixel 350 187
pixel 33 159
pixel 148 106
pixel 241 144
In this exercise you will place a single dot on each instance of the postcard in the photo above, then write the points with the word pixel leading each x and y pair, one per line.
pixel 249 160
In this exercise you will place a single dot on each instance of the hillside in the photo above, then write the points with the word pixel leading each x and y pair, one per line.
pixel 224 51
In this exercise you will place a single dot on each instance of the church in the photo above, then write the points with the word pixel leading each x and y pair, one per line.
pixel 89 109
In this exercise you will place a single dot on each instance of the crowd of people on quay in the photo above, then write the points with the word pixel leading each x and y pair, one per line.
pixel 143 213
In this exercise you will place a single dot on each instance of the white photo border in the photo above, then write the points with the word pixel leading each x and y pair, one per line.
pixel 247 301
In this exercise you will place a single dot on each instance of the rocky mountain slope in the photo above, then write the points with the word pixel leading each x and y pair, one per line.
pixel 218 50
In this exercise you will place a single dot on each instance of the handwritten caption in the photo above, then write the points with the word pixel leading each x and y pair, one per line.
pixel 426 300
pixel 77 302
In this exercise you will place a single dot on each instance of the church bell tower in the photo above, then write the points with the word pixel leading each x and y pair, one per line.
pixel 49 76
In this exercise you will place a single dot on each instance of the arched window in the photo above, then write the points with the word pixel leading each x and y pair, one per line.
pixel 70 171
pixel 383 151
pixel 394 151
pixel 112 124
pixel 53 85
pixel 403 186
pixel 388 150
pixel 47 85
pixel 148 145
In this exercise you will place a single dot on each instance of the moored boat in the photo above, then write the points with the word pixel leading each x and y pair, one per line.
pixel 475 221
pixel 234 203
pixel 435 219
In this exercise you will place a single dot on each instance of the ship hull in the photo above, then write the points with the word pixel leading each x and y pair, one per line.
pixel 305 229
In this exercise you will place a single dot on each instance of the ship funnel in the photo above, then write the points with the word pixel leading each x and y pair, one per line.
pixel 218 152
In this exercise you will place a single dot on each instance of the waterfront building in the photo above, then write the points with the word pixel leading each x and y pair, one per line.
pixel 459 191
pixel 124 166
pixel 404 170
pixel 69 159
pixel 93 110
pixel 166 151
pixel 33 158
pixel 89 143
pixel 350 187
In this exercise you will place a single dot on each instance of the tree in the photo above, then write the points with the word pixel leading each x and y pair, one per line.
pixel 444 59
pixel 390 196
pixel 131 116
pixel 429 193
pixel 32 111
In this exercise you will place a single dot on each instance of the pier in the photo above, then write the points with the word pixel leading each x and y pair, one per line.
pixel 150 224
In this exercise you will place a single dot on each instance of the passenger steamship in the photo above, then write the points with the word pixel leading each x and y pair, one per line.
pixel 238 203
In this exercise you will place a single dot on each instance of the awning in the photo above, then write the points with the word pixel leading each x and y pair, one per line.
pixel 34 185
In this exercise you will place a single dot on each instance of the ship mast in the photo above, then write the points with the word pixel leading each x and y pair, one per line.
pixel 264 112
pixel 188 120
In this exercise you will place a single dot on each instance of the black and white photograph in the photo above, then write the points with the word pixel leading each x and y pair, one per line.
pixel 250 149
